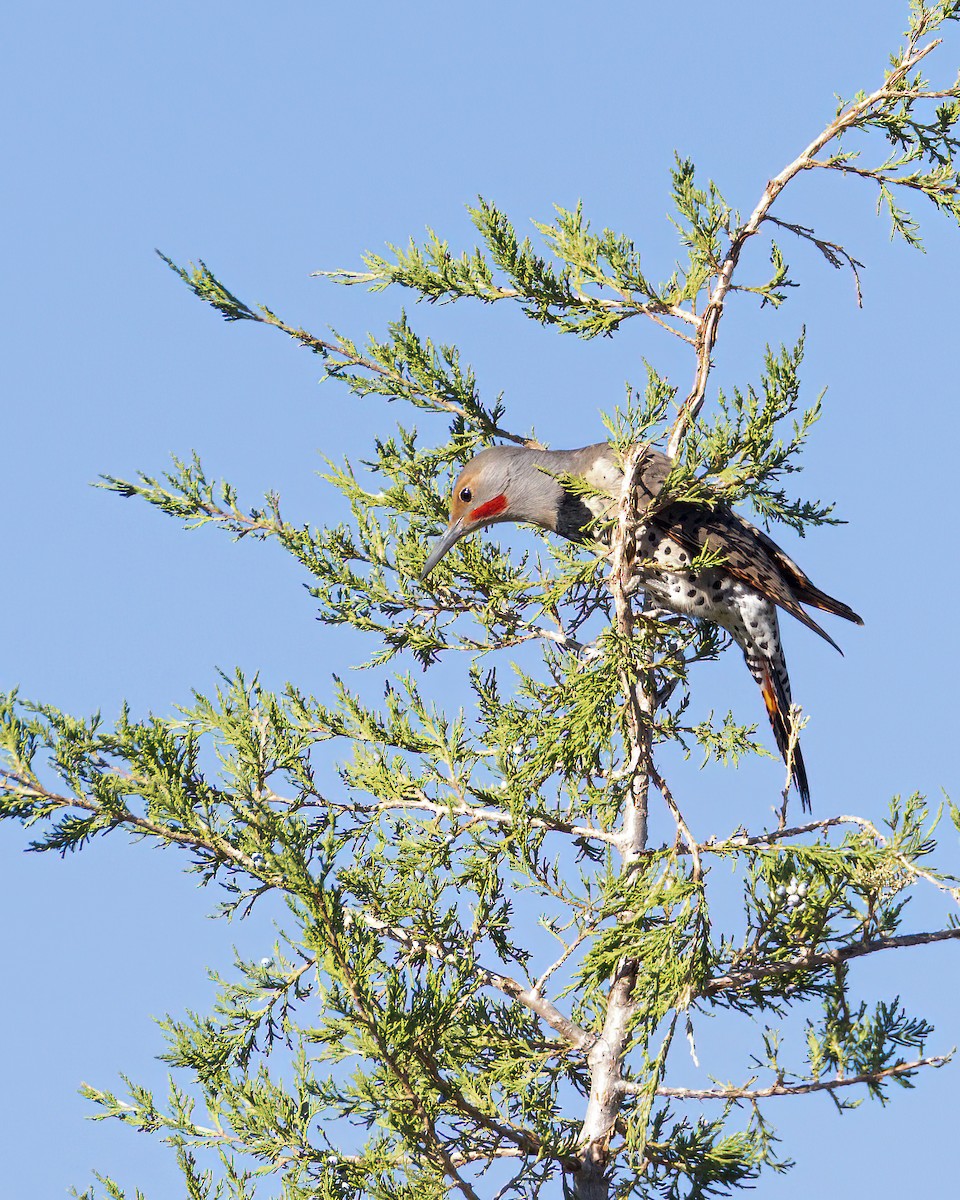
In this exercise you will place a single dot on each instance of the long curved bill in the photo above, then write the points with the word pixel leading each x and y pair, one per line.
pixel 451 535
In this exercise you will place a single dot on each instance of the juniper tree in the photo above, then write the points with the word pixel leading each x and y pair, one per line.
pixel 489 967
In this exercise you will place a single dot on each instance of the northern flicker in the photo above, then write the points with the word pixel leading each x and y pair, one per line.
pixel 513 483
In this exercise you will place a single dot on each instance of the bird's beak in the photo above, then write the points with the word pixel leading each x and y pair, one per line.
pixel 451 535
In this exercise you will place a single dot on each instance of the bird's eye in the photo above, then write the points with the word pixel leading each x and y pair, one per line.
pixel 466 495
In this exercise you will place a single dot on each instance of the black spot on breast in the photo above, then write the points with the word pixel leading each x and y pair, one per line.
pixel 683 557
pixel 692 592
pixel 574 519
pixel 701 600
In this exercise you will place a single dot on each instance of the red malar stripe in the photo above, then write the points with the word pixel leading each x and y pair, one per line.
pixel 492 508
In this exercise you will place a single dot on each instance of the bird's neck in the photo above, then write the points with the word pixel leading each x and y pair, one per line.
pixel 559 509
pixel 573 515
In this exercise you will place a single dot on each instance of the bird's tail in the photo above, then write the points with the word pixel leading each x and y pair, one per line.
pixel 771 675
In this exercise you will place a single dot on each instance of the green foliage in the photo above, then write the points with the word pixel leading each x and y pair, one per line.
pixel 597 284
pixel 387 1000
pixel 923 159
pixel 414 1031
pixel 741 455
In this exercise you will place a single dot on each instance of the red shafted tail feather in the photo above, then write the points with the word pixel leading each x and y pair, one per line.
pixel 778 710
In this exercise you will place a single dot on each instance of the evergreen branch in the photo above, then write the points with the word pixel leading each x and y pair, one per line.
pixel 623 308
pixel 432 1141
pixel 762 840
pixel 348 356
pixel 24 787
pixel 941 186
pixel 885 174
pixel 187 494
pixel 890 91
pixel 531 998
pixel 908 865
pixel 578 1038
pixel 546 294
pixel 814 960
pixel 396 366
pixel 523 1139
pixel 631 1088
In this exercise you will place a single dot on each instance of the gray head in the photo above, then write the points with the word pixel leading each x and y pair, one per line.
pixel 504 483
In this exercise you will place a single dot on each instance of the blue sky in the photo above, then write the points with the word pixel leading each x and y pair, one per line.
pixel 276 140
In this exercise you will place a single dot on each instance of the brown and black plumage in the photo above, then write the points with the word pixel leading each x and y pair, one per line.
pixel 742 594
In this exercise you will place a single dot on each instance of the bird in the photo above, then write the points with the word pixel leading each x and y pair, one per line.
pixel 742 593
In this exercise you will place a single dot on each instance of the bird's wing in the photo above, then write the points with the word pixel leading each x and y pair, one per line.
pixel 750 556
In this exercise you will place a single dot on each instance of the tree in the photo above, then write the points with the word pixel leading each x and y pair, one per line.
pixel 407 1034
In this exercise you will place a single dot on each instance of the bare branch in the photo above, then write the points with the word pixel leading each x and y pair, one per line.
pixel 631 1088
pixel 833 252
pixel 812 960
pixel 473 813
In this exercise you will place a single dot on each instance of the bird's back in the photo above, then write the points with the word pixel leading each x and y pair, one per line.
pixel 748 553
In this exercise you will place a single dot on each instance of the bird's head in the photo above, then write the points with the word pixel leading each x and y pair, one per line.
pixel 499 484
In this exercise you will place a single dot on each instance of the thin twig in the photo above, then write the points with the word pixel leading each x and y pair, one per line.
pixel 682 826
pixel 833 252
pixel 555 966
